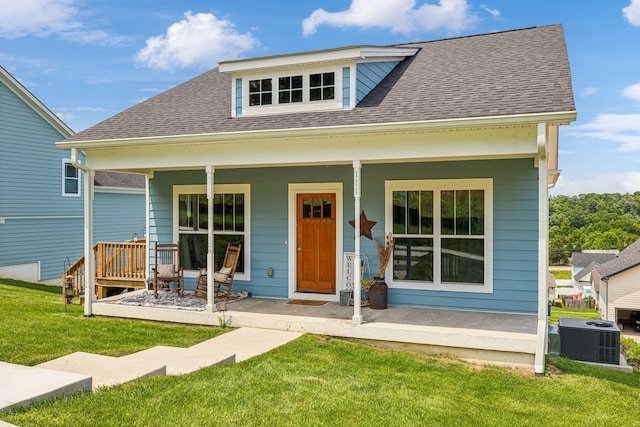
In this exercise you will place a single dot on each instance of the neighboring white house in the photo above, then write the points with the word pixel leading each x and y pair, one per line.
pixel 617 285
pixel 583 263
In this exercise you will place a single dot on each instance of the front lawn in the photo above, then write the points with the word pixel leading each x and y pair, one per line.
pixel 37 327
pixel 321 381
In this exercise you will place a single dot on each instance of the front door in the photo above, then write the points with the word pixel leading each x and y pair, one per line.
pixel 316 242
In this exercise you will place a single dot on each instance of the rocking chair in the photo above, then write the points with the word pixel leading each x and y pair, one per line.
pixel 167 271
pixel 222 278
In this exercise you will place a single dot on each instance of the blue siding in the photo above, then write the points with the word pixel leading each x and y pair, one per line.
pixel 515 224
pixel 40 224
pixel 118 216
pixel 346 87
pixel 238 97
pixel 369 74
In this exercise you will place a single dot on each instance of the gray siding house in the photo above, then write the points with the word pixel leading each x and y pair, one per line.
pixel 41 197
pixel 449 146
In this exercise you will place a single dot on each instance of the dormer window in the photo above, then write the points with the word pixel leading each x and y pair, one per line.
pixel 260 92
pixel 289 89
pixel 321 86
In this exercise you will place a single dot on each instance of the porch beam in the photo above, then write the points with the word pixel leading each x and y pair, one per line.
pixel 357 282
pixel 210 194
pixel 543 247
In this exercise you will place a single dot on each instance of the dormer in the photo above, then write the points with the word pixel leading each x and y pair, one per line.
pixel 310 81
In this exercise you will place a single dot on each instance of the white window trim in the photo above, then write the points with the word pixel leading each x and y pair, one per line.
pixel 437 186
pixel 218 189
pixel 305 105
pixel 66 162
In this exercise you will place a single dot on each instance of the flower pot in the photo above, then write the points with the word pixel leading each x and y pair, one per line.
pixel 378 295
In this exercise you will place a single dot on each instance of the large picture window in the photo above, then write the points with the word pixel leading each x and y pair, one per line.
pixel 442 231
pixel 230 224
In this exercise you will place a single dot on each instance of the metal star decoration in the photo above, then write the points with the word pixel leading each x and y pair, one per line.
pixel 365 225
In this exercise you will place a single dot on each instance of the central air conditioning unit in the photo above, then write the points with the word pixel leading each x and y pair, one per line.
pixel 589 340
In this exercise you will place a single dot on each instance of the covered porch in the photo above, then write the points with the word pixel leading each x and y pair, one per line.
pixel 496 338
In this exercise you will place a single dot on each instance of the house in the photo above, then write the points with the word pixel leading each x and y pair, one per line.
pixel 583 263
pixel 448 145
pixel 41 197
pixel 617 285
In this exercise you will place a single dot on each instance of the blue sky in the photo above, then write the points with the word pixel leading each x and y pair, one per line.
pixel 90 59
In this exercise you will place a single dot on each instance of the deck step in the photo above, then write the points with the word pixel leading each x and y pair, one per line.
pixel 105 370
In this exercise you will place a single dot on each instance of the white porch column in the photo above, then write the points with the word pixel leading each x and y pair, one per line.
pixel 543 248
pixel 210 267
pixel 89 259
pixel 147 227
pixel 357 281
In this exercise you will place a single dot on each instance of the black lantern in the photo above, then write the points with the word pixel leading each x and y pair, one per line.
pixel 68 289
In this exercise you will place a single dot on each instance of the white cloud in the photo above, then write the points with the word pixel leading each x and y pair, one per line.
pixel 41 18
pixel 198 40
pixel 632 13
pixel 37 17
pixel 621 182
pixel 399 16
pixel 587 91
pixel 632 92
pixel 621 128
pixel 494 12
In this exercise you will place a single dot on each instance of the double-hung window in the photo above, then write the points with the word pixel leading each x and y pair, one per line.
pixel 70 179
pixel 443 234
pixel 231 207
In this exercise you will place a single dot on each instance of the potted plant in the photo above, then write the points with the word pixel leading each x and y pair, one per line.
pixel 376 286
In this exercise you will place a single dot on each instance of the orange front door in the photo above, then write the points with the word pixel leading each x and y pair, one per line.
pixel 316 242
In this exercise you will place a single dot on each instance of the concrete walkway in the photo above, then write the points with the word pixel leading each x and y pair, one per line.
pixel 77 372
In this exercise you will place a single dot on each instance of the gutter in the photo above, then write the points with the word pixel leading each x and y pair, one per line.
pixel 89 262
pixel 563 117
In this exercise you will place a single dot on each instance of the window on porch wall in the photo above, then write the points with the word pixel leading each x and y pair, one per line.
pixel 440 230
pixel 228 227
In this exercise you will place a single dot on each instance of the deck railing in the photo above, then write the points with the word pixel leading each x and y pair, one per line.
pixel 120 262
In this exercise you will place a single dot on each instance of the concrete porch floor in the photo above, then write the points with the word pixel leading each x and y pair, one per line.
pixel 500 338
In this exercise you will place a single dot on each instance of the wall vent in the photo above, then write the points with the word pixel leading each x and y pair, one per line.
pixel 589 340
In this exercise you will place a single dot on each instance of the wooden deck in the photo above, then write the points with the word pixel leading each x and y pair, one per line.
pixel 118 265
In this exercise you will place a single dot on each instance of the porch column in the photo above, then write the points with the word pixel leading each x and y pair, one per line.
pixel 210 267
pixel 543 248
pixel 357 281
pixel 89 259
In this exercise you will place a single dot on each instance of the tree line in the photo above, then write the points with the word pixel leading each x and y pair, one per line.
pixel 591 221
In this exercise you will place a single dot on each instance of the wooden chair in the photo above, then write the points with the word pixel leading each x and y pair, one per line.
pixel 167 271
pixel 221 278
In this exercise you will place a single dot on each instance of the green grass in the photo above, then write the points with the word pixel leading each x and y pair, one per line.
pixel 561 274
pixel 37 327
pixel 321 381
pixel 557 312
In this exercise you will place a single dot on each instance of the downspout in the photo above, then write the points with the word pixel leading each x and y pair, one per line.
pixel 357 282
pixel 543 249
pixel 89 261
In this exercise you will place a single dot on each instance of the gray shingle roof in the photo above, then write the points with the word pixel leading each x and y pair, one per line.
pixel 118 179
pixel 580 260
pixel 505 73
pixel 628 258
